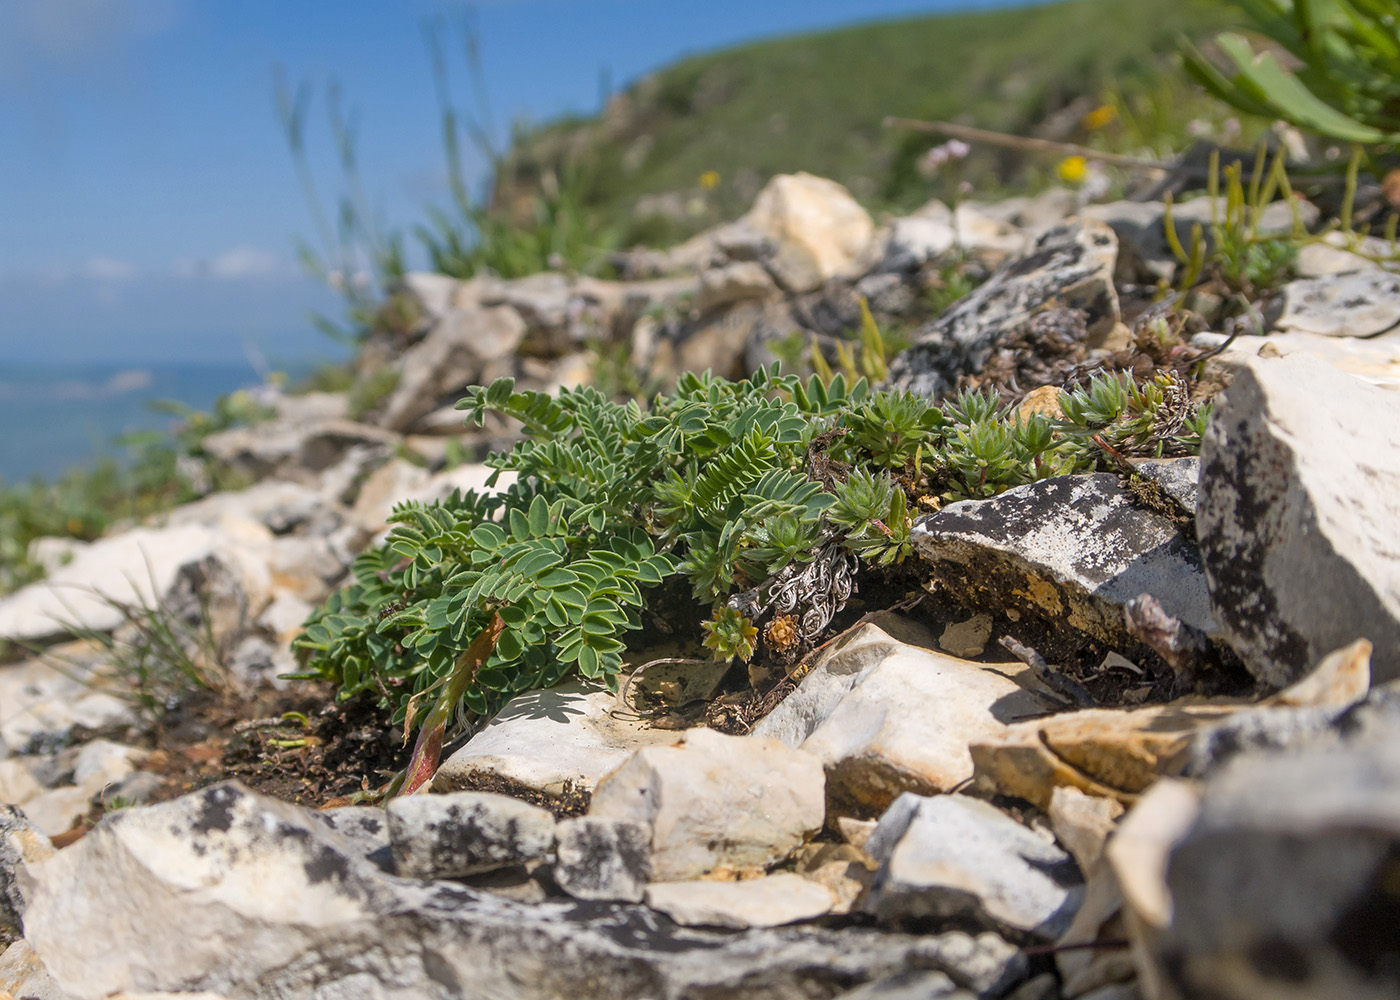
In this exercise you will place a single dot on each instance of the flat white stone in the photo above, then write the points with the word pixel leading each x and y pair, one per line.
pixel 761 902
pixel 543 739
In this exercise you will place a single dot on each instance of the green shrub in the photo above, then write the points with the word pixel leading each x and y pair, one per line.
pixel 716 485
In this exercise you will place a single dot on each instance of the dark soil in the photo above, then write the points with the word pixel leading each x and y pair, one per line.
pixel 340 749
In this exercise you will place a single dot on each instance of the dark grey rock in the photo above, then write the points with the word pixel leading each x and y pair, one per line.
pixel 464 833
pixel 1297 517
pixel 1177 478
pixel 247 897
pixel 956 857
pixel 1070 266
pixel 1072 551
pixel 1285 884
pixel 603 859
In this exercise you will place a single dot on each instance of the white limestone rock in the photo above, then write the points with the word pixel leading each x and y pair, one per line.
pixel 1300 474
pixel 450 357
pixel 465 833
pixel 141 566
pixel 770 901
pixel 42 700
pixel 237 894
pixel 1358 304
pixel 818 229
pixel 549 740
pixel 885 717
pixel 713 800
pixel 21 843
pixel 955 857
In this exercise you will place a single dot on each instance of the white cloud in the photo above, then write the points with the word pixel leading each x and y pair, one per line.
pixel 62 31
pixel 234 264
pixel 108 269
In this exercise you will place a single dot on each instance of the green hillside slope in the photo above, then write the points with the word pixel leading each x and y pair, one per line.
pixel 816 102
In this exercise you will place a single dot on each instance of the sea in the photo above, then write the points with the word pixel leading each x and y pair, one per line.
pixel 54 417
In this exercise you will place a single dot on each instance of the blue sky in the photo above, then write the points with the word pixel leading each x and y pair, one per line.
pixel 148 205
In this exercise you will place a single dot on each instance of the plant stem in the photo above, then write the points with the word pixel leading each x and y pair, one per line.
pixel 427 752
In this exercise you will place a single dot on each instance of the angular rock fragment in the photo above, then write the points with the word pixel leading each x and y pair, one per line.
pixel 770 901
pixel 1300 475
pixel 954 857
pixel 817 228
pixel 452 356
pixel 1070 266
pixel 1375 359
pixel 21 844
pixel 601 859
pixel 1359 304
pixel 713 800
pixel 1121 753
pixel 1071 551
pixel 240 895
pixel 1284 882
pixel 886 717
pixel 465 833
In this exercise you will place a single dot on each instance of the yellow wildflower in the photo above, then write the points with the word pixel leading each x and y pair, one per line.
pixel 1073 169
pixel 1099 117
pixel 709 180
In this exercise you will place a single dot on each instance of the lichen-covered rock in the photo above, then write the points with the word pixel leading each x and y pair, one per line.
pixel 240 895
pixel 465 833
pixel 1069 266
pixel 601 859
pixel 1359 304
pixel 1300 475
pixel 1071 551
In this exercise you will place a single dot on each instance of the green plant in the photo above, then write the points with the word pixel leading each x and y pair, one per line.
pixel 1154 417
pixel 867 355
pixel 716 486
pixel 950 284
pixel 729 634
pixel 1346 82
pixel 1235 250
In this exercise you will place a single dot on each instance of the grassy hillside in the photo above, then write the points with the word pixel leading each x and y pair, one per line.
pixel 816 103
